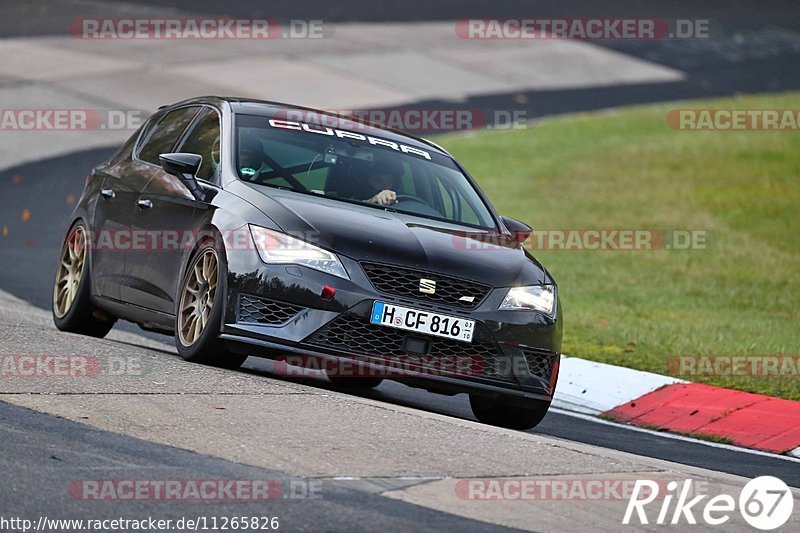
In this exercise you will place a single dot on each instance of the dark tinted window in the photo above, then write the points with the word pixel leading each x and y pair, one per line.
pixel 354 165
pixel 204 140
pixel 166 133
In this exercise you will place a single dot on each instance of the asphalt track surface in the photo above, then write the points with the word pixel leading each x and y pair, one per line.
pixel 28 257
pixel 752 47
pixel 43 454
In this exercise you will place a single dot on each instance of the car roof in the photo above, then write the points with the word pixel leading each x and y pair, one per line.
pixel 250 106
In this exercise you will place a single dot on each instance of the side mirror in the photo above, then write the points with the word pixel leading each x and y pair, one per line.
pixel 184 166
pixel 519 230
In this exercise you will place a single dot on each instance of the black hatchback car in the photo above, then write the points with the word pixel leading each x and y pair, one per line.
pixel 244 227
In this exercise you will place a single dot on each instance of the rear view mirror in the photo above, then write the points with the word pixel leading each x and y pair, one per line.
pixel 184 166
pixel 519 230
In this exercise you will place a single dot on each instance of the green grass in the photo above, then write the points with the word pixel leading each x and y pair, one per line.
pixel 627 169
pixel 709 438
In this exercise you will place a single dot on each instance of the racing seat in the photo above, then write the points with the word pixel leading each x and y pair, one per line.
pixel 348 179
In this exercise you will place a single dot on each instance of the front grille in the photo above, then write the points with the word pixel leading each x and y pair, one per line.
pixel 405 282
pixel 540 362
pixel 354 334
pixel 255 310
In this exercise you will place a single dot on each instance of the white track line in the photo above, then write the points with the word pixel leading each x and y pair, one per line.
pixel 590 387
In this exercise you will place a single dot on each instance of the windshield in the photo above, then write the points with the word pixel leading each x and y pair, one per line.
pixel 348 165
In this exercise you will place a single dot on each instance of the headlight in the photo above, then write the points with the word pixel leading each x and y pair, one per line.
pixel 540 298
pixel 278 248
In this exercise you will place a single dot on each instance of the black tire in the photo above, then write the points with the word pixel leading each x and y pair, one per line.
pixel 508 415
pixel 79 315
pixel 356 383
pixel 207 348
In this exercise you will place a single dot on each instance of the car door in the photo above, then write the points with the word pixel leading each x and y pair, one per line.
pixel 150 221
pixel 121 182
pixel 168 210
pixel 112 219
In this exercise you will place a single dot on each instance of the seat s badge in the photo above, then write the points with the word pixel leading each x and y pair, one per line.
pixel 427 286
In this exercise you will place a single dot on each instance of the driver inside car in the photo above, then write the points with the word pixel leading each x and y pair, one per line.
pixel 382 182
pixel 251 158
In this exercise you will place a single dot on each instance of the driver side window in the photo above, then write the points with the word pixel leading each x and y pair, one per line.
pixel 166 133
pixel 204 140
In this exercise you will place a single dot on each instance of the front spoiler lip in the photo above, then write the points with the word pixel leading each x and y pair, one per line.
pixel 456 385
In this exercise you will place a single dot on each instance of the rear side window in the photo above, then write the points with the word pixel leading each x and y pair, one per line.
pixel 166 134
pixel 204 140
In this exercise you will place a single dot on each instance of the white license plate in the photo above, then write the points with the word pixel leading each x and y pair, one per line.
pixel 395 316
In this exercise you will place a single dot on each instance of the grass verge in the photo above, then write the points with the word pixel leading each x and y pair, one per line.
pixel 627 169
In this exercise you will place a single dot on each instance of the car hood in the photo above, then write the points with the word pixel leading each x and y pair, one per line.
pixel 364 233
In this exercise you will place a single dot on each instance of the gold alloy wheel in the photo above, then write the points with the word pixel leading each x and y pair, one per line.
pixel 70 272
pixel 197 297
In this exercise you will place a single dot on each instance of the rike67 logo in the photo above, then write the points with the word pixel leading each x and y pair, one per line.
pixel 766 503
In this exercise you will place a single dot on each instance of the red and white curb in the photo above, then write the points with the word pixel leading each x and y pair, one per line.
pixel 662 403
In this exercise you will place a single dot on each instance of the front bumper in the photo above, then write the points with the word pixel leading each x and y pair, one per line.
pixel 278 310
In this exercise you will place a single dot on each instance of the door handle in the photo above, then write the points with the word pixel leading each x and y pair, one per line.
pixel 144 203
pixel 108 193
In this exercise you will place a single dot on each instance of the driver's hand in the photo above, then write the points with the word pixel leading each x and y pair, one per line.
pixel 385 197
